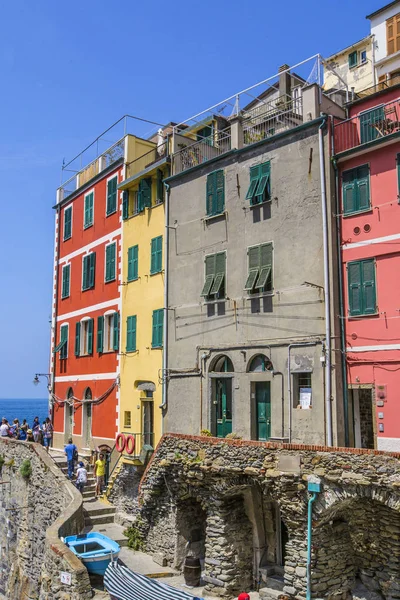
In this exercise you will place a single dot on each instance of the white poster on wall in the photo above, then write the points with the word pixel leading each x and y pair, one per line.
pixel 305 398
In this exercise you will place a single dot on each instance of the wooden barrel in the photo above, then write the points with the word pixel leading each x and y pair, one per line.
pixel 192 571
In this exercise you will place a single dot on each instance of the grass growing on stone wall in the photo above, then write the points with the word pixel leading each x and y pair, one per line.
pixel 2 461
pixel 26 468
pixel 135 538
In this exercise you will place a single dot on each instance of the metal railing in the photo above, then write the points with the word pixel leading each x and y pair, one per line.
pixel 146 160
pixel 379 87
pixel 285 114
pixel 196 153
pixel 367 126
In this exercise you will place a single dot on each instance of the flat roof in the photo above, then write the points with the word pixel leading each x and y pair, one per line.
pixel 368 37
pixel 383 9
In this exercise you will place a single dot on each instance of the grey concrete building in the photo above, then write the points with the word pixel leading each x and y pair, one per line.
pixel 246 334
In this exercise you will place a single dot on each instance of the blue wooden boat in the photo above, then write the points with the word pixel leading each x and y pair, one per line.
pixel 95 550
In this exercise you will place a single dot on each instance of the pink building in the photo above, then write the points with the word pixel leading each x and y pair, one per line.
pixel 367 157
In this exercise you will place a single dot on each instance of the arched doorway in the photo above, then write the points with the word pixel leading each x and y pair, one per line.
pixel 68 415
pixel 221 386
pixel 261 395
pixel 87 418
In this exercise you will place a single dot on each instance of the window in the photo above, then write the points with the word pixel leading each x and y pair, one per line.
pixel 158 321
pixel 302 390
pixel 361 287
pixel 88 212
pixel 363 57
pixel 108 332
pixel 156 255
pixel 110 262
pixel 143 195
pixel 133 263
pixel 260 184
pixel 393 34
pixel 88 271
pixel 260 363
pixel 353 59
pixel 66 277
pixel 160 186
pixel 127 418
pixel 125 205
pixel 131 334
pixel 372 123
pixel 214 282
pixel 355 190
pixel 112 195
pixel 84 337
pixel 67 223
pixel 215 193
pixel 62 346
pixel 259 277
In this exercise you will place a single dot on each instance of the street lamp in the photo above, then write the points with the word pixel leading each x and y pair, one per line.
pixel 36 380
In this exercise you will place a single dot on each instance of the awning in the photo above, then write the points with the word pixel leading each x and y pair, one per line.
pixel 123 584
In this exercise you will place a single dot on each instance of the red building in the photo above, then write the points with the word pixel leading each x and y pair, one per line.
pixel 85 333
pixel 367 156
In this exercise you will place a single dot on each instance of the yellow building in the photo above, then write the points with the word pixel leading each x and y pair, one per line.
pixel 142 293
pixel 355 66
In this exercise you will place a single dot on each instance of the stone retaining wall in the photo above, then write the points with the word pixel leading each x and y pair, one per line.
pixel 250 490
pixel 34 513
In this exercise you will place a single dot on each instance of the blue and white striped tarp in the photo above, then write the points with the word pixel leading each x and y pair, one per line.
pixel 123 584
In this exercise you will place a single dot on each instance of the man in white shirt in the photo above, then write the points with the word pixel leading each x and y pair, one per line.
pixel 4 428
pixel 81 477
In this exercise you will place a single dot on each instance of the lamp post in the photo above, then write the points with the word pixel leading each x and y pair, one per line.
pixel 36 380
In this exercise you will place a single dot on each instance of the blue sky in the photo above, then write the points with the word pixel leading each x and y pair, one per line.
pixel 70 69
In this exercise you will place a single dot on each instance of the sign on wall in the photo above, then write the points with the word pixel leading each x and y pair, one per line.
pixel 66 578
pixel 305 398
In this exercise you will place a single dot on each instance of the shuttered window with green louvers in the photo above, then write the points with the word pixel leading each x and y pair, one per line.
pixel 160 186
pixel 260 184
pixel 131 333
pixel 158 326
pixel 361 287
pixel 100 334
pixel 116 331
pixel 110 273
pixel 156 255
pixel 215 204
pixel 67 223
pixel 125 205
pixel 111 196
pixel 64 342
pixel 88 212
pixel 66 280
pixel 88 271
pixel 259 278
pixel 355 190
pixel 144 194
pixel 133 263
pixel 215 271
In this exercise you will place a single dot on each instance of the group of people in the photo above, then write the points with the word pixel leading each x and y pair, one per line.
pixel 39 433
pixel 71 452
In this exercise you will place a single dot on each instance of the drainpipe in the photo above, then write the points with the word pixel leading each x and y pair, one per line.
pixel 164 403
pixel 274 373
pixel 341 311
pixel 297 345
pixel 328 374
pixel 373 60
pixel 314 488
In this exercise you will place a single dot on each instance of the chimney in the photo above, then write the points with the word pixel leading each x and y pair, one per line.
pixel 284 81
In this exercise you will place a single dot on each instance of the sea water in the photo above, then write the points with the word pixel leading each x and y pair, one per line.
pixel 24 408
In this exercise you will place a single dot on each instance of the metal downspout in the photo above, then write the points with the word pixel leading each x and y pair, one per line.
pixel 311 501
pixel 164 403
pixel 341 312
pixel 328 374
pixel 297 345
pixel 274 373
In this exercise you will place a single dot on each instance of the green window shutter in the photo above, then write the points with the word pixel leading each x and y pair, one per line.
pixel 131 334
pixel 112 195
pixel 156 255
pixel 353 59
pixel 263 189
pixel 265 267
pixel 153 256
pixel 368 286
pixel 90 336
pixel 63 345
pixel 65 288
pixel 116 331
pixel 349 198
pixel 211 189
pixel 88 213
pixel 159 253
pixel 67 223
pixel 125 204
pixel 160 186
pixel 146 192
pixel 92 269
pixel 220 270
pixel 362 183
pixel 133 263
pixel 254 178
pixel 220 192
pixel 209 275
pixel 110 262
pixel 100 334
pixel 85 273
pixel 354 288
pixel 254 267
pixel 157 337
pixel 77 339
pixel 251 280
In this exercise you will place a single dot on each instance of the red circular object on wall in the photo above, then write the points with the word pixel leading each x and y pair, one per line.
pixel 120 442
pixel 356 230
pixel 367 227
pixel 354 336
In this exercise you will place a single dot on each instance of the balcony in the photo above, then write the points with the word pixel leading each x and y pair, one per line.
pixel 369 126
pixel 265 121
pixel 192 154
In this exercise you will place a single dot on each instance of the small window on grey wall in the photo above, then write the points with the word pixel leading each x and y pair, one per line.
pixel 302 390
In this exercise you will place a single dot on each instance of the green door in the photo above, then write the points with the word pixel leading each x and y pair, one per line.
pixel 371 123
pixel 263 410
pixel 223 390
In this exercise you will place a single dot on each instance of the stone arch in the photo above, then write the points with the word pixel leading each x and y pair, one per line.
pixel 88 394
pixel 222 363
pixel 355 543
pixel 191 519
pixel 70 393
pixel 259 363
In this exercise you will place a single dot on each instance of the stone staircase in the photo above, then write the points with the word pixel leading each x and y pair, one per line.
pixel 272 582
pixel 99 513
